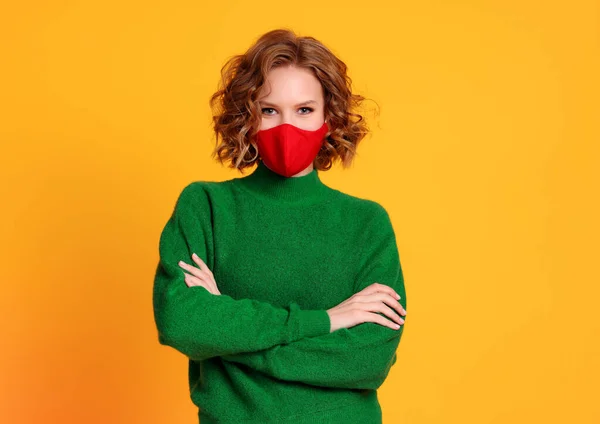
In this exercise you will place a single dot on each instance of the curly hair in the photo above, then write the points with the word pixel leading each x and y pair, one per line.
pixel 237 115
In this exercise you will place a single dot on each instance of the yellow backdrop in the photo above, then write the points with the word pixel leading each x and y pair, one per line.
pixel 485 154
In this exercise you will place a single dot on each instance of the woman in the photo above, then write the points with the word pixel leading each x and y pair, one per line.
pixel 286 295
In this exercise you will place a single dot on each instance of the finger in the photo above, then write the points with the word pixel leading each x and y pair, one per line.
pixel 201 263
pixel 193 270
pixel 389 300
pixel 188 280
pixel 205 280
pixel 192 281
pixel 207 270
pixel 387 289
pixel 208 279
pixel 195 281
pixel 203 273
pixel 378 287
pixel 386 310
pixel 378 319
pixel 383 297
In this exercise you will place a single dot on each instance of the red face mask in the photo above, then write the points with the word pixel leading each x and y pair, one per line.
pixel 287 149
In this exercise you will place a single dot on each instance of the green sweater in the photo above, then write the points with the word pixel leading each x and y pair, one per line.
pixel 282 251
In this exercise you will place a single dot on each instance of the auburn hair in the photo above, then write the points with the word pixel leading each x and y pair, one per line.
pixel 237 114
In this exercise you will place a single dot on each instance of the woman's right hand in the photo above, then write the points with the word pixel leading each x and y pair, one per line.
pixel 362 307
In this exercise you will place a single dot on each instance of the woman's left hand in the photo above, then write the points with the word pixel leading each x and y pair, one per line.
pixel 201 276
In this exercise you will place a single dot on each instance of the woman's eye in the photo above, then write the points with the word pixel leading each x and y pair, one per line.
pixel 270 110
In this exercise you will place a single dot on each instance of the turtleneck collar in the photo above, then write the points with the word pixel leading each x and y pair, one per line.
pixel 271 186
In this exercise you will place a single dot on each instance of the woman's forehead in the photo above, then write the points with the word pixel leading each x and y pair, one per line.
pixel 290 87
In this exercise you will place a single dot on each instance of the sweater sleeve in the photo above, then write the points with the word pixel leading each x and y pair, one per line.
pixel 359 357
pixel 202 325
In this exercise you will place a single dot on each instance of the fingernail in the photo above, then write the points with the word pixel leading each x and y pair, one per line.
pixel 181 263
pixel 396 326
pixel 398 296
pixel 194 255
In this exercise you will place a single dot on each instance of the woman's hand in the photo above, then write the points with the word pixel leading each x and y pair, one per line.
pixel 201 276
pixel 362 307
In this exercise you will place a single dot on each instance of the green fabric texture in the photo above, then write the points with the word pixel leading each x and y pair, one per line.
pixel 283 251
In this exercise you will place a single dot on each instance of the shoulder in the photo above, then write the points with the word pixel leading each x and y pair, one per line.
pixel 369 216
pixel 367 210
pixel 202 197
pixel 194 198
pixel 192 193
pixel 199 191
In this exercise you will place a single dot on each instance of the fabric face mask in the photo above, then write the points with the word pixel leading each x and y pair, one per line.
pixel 287 149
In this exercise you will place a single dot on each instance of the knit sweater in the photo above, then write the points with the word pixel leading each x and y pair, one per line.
pixel 282 251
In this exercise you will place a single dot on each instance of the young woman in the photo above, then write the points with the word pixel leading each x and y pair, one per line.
pixel 286 295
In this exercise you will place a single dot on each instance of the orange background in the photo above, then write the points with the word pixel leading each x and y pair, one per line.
pixel 486 155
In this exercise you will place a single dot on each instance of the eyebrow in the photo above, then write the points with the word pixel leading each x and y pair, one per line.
pixel 298 105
